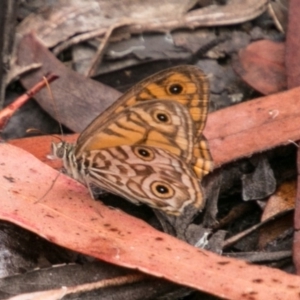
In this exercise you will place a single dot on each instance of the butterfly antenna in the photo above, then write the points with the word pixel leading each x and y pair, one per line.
pixel 49 189
pixel 35 130
pixel 54 105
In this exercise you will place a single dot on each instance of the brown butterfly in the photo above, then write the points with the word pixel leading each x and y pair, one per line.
pixel 148 146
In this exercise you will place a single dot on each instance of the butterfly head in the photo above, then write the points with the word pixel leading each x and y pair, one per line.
pixel 61 150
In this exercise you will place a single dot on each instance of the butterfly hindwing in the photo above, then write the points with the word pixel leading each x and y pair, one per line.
pixel 144 174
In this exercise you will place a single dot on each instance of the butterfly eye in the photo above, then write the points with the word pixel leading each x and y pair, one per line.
pixel 175 88
pixel 58 150
pixel 144 153
pixel 162 190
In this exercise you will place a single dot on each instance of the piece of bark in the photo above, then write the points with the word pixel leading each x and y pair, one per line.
pixel 292 60
pixel 234 132
pixel 69 217
pixel 292 55
pixel 254 126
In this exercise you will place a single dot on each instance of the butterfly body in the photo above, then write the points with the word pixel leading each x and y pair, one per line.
pixel 161 117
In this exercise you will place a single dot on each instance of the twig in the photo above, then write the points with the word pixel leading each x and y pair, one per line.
pixel 229 242
pixel 8 111
pixel 100 52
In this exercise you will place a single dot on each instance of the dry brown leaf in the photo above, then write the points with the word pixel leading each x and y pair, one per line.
pixel 261 65
pixel 283 199
pixel 69 18
pixel 84 97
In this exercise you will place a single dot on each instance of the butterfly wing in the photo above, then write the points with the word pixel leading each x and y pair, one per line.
pixel 157 123
pixel 184 84
pixel 143 174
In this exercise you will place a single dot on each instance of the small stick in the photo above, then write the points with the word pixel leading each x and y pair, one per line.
pixel 8 111
pixel 100 52
pixel 234 239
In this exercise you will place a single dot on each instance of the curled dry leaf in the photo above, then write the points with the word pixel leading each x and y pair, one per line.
pixel 65 19
pixel 68 217
pixel 92 18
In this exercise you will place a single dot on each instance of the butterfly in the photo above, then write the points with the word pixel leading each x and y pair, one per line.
pixel 148 147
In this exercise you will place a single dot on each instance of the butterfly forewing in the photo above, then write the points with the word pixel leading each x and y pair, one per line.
pixel 184 84
pixel 162 124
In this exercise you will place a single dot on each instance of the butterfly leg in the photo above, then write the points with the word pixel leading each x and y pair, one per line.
pixel 88 185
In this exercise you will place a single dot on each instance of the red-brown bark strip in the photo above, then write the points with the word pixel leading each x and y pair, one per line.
pixel 254 126
pixel 234 132
pixel 69 217
pixel 292 61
